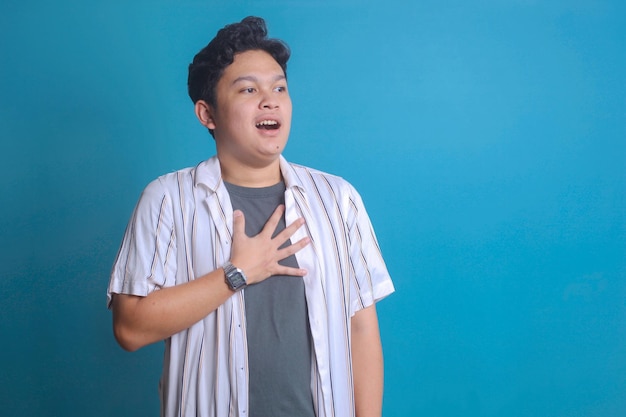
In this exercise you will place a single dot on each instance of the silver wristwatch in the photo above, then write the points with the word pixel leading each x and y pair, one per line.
pixel 235 277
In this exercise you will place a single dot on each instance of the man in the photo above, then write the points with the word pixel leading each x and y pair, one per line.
pixel 260 275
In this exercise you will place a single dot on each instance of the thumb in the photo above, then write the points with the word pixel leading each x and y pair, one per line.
pixel 239 223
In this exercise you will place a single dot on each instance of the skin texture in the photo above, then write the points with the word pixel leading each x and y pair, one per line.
pixel 252 89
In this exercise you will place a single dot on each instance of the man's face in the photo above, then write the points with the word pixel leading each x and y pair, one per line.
pixel 252 116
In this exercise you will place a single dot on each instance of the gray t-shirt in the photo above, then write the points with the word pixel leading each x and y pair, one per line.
pixel 279 341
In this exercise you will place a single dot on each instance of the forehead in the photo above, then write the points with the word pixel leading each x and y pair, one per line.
pixel 252 64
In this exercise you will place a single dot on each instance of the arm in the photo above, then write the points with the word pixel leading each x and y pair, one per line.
pixel 367 363
pixel 139 321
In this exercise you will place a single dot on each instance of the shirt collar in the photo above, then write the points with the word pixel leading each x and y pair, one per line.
pixel 290 176
pixel 209 174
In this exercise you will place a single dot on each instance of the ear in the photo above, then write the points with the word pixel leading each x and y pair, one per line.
pixel 204 113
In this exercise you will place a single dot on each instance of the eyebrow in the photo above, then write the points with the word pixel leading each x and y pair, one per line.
pixel 256 79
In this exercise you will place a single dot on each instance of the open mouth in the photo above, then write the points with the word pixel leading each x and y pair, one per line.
pixel 268 125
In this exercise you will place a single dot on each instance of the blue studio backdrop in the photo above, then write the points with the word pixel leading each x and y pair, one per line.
pixel 487 139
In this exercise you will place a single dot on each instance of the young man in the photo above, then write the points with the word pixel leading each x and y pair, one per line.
pixel 260 275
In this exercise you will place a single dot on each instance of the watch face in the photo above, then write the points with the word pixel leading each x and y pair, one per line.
pixel 235 277
pixel 236 280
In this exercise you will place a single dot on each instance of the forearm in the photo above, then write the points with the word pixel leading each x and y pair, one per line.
pixel 367 363
pixel 140 321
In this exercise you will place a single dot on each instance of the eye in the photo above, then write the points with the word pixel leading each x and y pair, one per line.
pixel 248 90
pixel 280 89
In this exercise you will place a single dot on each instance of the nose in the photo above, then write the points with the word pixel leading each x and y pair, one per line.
pixel 268 101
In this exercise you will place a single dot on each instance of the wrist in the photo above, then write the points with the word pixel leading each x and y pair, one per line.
pixel 235 277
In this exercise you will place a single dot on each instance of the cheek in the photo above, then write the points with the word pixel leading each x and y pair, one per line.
pixel 233 118
pixel 287 109
pixel 242 114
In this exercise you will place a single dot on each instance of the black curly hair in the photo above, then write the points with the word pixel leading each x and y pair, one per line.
pixel 208 65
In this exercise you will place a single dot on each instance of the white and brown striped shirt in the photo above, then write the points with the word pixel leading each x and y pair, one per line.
pixel 182 229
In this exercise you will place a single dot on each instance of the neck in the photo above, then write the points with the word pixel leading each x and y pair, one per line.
pixel 252 177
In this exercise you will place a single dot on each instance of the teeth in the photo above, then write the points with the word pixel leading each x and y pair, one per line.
pixel 267 123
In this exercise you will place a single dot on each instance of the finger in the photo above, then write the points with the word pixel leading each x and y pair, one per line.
pixel 288 231
pixel 285 270
pixel 293 248
pixel 272 222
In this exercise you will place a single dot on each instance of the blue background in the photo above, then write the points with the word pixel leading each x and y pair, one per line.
pixel 486 137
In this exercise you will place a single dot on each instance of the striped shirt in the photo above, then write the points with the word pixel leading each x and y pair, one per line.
pixel 182 229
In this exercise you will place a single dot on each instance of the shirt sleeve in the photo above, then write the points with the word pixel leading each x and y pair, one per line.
pixel 371 281
pixel 146 259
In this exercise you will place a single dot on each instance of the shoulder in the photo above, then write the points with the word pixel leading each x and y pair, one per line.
pixel 175 179
pixel 168 185
pixel 322 191
pixel 315 178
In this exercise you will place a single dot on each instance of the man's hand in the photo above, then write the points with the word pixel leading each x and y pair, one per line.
pixel 258 256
